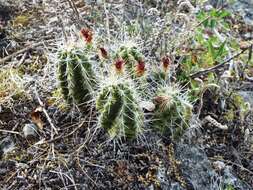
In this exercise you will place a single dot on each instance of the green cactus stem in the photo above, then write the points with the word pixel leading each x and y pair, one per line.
pixel 75 75
pixel 120 114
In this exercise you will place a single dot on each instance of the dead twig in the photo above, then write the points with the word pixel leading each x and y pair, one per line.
pixel 46 114
pixel 206 71
pixel 22 51
pixel 22 59
pixel 65 136
pixel 12 132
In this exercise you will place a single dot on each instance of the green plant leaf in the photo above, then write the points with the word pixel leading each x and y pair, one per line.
pixel 211 49
pixel 223 14
pixel 220 50
pixel 212 23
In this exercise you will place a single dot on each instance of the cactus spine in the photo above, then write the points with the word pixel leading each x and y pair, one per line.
pixel 75 75
pixel 120 113
pixel 62 75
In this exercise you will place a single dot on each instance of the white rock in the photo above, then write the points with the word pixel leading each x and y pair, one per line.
pixel 30 130
pixel 219 165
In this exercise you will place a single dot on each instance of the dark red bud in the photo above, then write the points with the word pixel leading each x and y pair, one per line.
pixel 119 65
pixel 103 52
pixel 87 34
pixel 166 62
pixel 140 67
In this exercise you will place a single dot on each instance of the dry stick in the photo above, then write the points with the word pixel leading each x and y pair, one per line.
pixel 69 134
pixel 22 51
pixel 85 173
pixel 22 59
pixel 12 132
pixel 12 175
pixel 53 128
pixel 75 10
pixel 46 114
pixel 206 71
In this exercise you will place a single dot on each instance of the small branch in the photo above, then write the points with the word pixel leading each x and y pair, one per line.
pixel 65 136
pixel 22 59
pixel 233 163
pixel 206 71
pixel 46 114
pixel 63 28
pixel 12 132
pixel 22 51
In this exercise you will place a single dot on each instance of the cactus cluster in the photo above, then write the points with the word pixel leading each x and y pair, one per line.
pixel 76 77
pixel 117 101
pixel 120 113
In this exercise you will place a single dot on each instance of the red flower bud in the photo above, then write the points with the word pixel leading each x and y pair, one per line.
pixel 119 63
pixel 87 34
pixel 166 62
pixel 140 68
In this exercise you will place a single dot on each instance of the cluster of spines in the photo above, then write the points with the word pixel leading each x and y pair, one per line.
pixel 76 76
pixel 62 75
pixel 120 114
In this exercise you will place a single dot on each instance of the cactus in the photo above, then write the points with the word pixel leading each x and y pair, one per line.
pixel 120 113
pixel 75 75
pixel 173 111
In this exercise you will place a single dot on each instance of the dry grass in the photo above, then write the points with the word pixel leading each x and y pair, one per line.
pixel 12 86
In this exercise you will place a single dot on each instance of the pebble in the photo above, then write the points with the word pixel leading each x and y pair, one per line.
pixel 30 130
pixel 219 165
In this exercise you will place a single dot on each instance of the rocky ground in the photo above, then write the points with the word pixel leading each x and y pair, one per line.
pixel 78 155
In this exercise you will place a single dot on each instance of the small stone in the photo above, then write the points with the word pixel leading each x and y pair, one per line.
pixel 208 7
pixel 6 145
pixel 149 106
pixel 219 165
pixel 30 130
